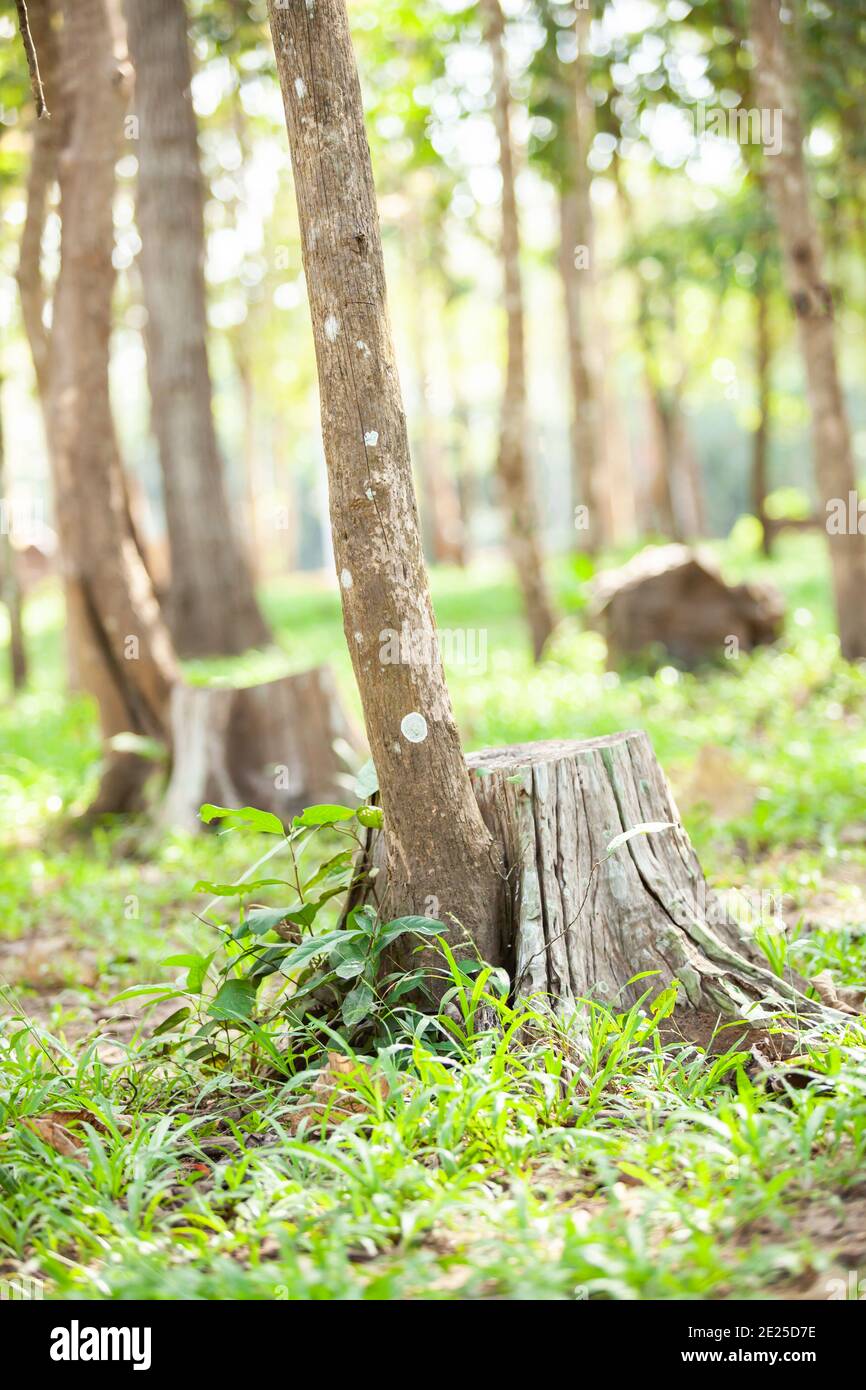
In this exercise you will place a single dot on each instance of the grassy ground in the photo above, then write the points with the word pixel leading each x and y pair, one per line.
pixel 452 1161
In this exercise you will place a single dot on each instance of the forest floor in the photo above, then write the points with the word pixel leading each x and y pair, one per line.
pixel 481 1166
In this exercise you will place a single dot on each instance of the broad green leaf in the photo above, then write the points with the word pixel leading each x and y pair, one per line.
pixel 348 959
pixel 358 1005
pixel 243 815
pixel 171 1022
pixel 363 919
pixel 313 946
pixel 337 865
pixel 237 890
pixel 422 926
pixel 263 919
pixel 268 962
pixel 324 815
pixel 235 999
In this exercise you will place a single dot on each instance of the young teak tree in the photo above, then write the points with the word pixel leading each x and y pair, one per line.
pixel 813 305
pixel 513 465
pixel 578 877
pixel 211 606
pixel 440 853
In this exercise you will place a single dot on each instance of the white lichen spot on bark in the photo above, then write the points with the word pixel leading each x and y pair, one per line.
pixel 332 328
pixel 346 579
pixel 413 727
pixel 362 347
pixel 300 88
pixel 372 438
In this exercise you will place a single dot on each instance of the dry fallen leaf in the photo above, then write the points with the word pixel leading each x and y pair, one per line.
pixel 340 1090
pixel 50 1129
pixel 848 998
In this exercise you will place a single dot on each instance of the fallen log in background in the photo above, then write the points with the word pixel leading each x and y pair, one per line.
pixel 674 596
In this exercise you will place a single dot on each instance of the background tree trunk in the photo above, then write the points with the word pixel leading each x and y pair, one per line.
pixel 577 268
pixel 440 853
pixel 10 589
pixel 48 139
pixel 211 606
pixel 586 473
pixel 515 474
pixel 761 434
pixel 125 654
pixel 813 305
pixel 441 519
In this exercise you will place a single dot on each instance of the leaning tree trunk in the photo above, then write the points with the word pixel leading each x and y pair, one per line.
pixel 124 652
pixel 211 606
pixel 813 305
pixel 439 850
pixel 515 475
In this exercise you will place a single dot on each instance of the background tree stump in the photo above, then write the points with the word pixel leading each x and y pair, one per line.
pixel 581 920
pixel 675 597
pixel 278 746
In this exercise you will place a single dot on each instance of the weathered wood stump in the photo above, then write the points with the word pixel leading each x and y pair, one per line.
pixel 581 919
pixel 278 746
pixel 675 597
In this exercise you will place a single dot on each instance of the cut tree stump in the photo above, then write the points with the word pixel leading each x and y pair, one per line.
pixel 278 746
pixel 581 921
pixel 674 596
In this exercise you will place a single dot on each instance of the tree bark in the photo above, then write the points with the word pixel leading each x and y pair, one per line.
pixel 211 606
pixel 125 654
pixel 761 434
pixel 10 588
pixel 513 466
pixel 586 479
pixel 577 270
pixel 586 919
pixel 604 886
pixel 438 846
pixel 48 137
pixel 812 300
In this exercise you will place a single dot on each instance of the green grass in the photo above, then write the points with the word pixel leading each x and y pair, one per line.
pixel 608 1161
